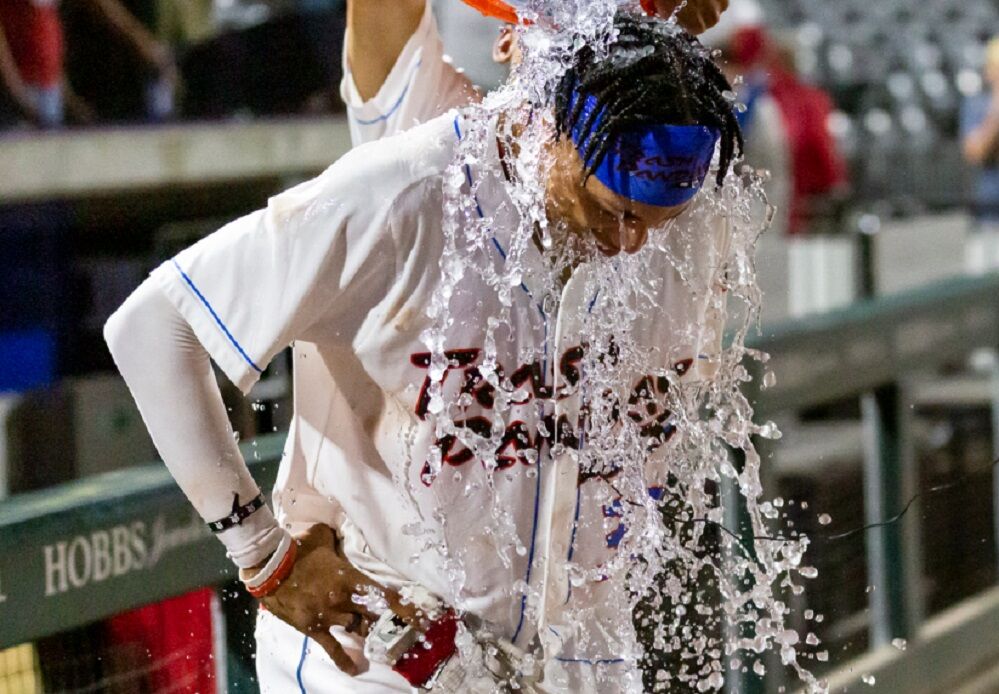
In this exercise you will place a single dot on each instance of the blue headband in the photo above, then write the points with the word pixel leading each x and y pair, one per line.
pixel 661 165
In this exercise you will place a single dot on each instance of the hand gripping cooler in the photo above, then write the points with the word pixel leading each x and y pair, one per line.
pixel 507 11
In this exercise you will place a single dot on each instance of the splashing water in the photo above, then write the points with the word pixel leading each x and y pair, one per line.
pixel 628 393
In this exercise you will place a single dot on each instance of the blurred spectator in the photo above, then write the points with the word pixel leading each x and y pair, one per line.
pixel 785 124
pixel 250 58
pixel 33 51
pixel 820 175
pixel 766 139
pixel 186 23
pixel 980 132
pixel 31 55
pixel 116 62
pixel 821 260
pixel 785 120
pixel 742 41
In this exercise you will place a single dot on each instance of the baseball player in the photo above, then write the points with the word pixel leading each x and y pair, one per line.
pixel 342 268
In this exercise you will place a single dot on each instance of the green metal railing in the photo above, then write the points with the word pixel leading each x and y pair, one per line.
pixel 873 351
pixel 93 548
pixel 84 551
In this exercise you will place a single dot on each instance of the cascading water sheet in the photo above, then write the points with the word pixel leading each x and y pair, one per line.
pixel 614 385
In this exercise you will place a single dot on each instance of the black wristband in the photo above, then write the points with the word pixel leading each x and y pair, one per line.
pixel 238 515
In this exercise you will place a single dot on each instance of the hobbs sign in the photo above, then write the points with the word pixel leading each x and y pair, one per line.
pixel 112 552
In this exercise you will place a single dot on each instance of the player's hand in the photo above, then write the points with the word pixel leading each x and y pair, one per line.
pixel 697 16
pixel 319 594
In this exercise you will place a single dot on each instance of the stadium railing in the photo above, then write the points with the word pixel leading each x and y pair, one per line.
pixel 875 350
pixel 137 525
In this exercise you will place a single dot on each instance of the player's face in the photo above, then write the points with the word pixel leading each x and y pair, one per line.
pixel 590 208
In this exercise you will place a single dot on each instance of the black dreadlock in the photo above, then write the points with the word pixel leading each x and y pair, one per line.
pixel 654 74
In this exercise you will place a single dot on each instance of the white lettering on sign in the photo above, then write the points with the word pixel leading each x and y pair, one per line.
pixel 112 552
pixel 79 562
pixel 55 569
pixel 94 558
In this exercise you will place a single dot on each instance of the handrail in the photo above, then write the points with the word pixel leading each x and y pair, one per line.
pixel 846 352
pixel 875 350
pixel 946 650
pixel 86 550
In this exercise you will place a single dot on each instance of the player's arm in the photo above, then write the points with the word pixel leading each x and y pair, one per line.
pixel 377 31
pixel 169 374
pixel 697 16
pixel 317 255
pixel 391 85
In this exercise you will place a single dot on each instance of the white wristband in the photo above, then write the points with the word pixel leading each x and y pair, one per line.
pixel 272 564
pixel 254 540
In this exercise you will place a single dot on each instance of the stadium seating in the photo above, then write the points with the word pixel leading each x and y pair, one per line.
pixel 898 69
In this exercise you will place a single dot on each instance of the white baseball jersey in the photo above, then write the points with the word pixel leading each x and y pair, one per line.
pixel 343 268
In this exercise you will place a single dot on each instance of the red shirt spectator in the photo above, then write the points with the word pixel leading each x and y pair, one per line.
pixel 818 167
pixel 34 34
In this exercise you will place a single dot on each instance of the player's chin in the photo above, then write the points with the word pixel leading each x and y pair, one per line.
pixel 611 243
pixel 607 246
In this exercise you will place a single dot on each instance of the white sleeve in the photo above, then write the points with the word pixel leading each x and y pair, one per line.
pixel 174 386
pixel 320 254
pixel 422 85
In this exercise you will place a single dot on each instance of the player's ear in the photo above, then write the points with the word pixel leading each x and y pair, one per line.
pixel 505 47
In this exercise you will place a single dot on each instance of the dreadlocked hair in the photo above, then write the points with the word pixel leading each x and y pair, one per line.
pixel 653 74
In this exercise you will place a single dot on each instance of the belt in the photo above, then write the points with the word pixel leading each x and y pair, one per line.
pixel 417 656
pixel 425 659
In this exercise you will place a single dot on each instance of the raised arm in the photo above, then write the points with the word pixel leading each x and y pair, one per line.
pixel 395 72
pixel 697 16
pixel 377 31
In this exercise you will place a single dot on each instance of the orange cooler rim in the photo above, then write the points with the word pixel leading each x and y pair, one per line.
pixel 506 13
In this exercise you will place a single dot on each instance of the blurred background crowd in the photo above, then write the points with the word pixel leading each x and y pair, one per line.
pixel 89 62
pixel 848 100
pixel 131 128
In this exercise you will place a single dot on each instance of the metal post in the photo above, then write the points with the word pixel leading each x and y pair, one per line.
pixel 994 381
pixel 867 283
pixel 893 550
pixel 738 520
